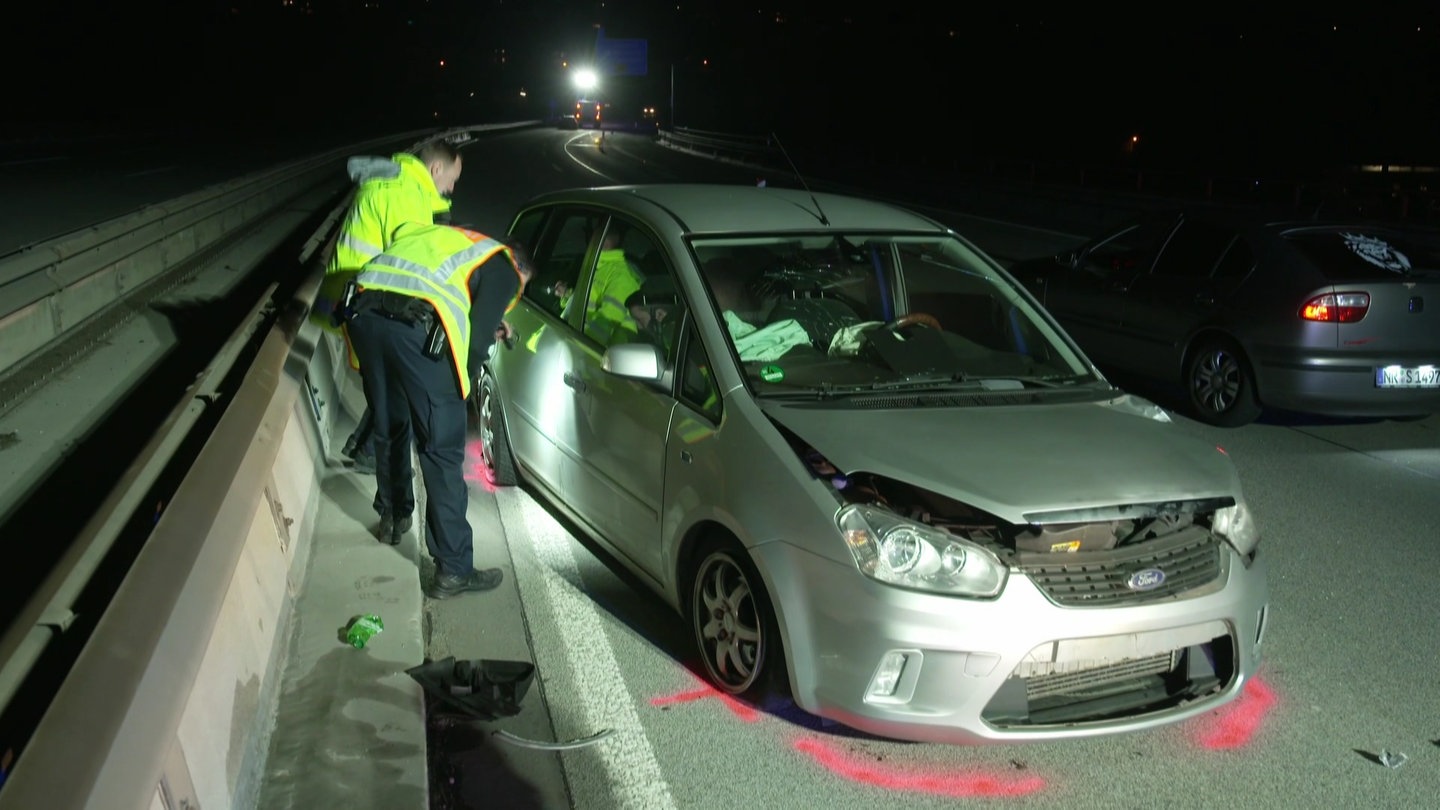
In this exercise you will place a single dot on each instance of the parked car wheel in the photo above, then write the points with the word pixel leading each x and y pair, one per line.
pixel 735 628
pixel 494 444
pixel 1220 384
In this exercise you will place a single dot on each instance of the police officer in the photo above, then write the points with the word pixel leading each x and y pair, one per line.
pixel 391 191
pixel 424 319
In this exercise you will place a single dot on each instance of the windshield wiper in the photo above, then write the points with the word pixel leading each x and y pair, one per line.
pixel 1039 381
pixel 829 390
pixel 914 381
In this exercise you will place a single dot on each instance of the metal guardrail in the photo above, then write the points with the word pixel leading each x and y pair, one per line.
pixel 49 289
pixel 1084 197
pixel 109 737
pixel 1078 213
pixel 752 150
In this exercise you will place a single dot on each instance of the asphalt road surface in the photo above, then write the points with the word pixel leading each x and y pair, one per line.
pixel 1350 513
pixel 1349 510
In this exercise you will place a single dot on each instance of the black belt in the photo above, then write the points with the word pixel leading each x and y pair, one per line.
pixel 396 307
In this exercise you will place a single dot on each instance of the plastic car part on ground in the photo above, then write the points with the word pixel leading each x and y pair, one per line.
pixel 488 690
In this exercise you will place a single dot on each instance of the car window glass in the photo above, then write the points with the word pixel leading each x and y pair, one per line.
pixel 1366 253
pixel 619 271
pixel 845 309
pixel 697 383
pixel 1238 261
pixel 1127 251
pixel 527 227
pixel 1193 250
pixel 559 256
pixel 656 309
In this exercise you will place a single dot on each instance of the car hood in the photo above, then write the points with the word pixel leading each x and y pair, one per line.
pixel 1017 460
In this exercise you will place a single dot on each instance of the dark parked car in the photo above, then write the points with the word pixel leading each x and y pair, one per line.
pixel 1333 318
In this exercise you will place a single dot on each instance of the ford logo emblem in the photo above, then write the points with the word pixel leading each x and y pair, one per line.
pixel 1147 580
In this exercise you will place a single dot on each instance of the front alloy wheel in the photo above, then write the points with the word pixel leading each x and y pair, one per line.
pixel 494 444
pixel 732 628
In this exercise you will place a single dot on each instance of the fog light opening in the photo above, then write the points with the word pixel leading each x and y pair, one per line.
pixel 894 678
pixel 887 676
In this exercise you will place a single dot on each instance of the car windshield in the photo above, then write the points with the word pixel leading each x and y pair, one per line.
pixel 872 311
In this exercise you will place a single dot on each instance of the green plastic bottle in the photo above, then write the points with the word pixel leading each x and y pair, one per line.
pixel 362 628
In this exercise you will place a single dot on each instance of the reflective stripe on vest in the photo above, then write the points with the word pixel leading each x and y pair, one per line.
pixel 445 286
pixel 355 243
pixel 606 316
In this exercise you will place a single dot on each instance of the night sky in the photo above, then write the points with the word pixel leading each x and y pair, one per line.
pixel 1197 84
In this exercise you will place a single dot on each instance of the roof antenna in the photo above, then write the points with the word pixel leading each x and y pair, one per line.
pixel 823 219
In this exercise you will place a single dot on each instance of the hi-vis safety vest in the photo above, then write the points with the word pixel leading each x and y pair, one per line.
pixel 606 318
pixel 434 263
pixel 392 191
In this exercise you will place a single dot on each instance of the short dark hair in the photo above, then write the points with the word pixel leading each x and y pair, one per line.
pixel 441 150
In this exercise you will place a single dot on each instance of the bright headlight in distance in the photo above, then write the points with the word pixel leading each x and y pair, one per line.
pixel 1237 525
pixel 901 552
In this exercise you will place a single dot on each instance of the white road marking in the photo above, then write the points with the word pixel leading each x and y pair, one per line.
pixel 635 777
pixel 578 162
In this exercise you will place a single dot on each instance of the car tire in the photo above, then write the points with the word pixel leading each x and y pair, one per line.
pixel 494 442
pixel 1219 384
pixel 728 601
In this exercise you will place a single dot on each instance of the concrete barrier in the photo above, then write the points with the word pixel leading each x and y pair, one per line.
pixel 170 702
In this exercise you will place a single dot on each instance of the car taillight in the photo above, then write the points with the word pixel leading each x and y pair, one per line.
pixel 1346 307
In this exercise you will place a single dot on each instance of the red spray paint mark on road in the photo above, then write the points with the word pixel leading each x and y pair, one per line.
pixel 938 784
pixel 476 470
pixel 736 708
pixel 1236 725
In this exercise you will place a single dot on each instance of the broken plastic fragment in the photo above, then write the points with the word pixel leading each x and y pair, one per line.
pixel 479 689
pixel 1391 760
pixel 541 745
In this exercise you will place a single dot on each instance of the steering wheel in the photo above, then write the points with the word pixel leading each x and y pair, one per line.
pixel 912 319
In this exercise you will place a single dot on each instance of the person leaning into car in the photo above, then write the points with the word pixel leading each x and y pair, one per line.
pixel 616 278
pixel 425 316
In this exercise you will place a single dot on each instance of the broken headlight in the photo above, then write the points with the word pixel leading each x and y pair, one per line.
pixel 901 552
pixel 1237 525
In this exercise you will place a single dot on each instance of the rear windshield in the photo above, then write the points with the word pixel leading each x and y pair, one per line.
pixel 1368 253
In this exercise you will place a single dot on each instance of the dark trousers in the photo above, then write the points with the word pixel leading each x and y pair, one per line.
pixel 363 432
pixel 410 394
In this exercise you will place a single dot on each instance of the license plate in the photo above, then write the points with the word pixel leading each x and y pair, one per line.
pixel 1407 377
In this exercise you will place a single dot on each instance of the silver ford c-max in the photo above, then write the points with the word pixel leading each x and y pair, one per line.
pixel 868 468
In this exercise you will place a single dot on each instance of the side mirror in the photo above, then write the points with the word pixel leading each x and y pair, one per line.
pixel 638 361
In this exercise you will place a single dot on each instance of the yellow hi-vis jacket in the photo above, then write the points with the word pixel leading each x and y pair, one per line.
pixel 606 318
pixel 434 263
pixel 391 192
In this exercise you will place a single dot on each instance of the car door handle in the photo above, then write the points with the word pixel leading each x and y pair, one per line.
pixel 573 380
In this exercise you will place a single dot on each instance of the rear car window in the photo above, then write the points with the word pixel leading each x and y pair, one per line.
pixel 1368 253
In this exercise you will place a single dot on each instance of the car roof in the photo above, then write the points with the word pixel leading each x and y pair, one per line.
pixel 719 209
pixel 1279 219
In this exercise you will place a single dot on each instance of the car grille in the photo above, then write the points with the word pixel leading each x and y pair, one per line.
pixel 1190 559
pixel 1069 683
pixel 1190 675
